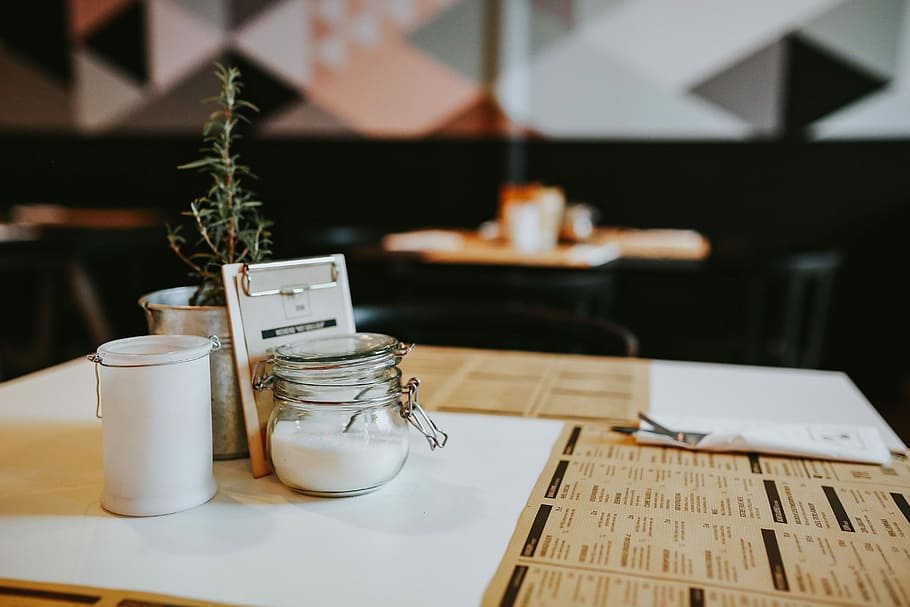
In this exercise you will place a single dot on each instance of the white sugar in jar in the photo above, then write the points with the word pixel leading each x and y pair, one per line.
pixel 154 399
pixel 339 426
pixel 336 463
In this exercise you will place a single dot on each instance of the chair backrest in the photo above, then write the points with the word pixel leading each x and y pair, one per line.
pixel 785 306
pixel 805 286
pixel 587 291
pixel 324 240
pixel 497 326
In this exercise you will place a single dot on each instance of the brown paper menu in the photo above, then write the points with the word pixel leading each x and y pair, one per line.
pixel 530 384
pixel 610 522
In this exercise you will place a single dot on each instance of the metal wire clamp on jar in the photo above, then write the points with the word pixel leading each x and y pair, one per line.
pixel 339 426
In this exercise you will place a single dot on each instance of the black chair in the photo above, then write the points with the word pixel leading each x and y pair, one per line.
pixel 497 326
pixel 788 309
pixel 588 292
pixel 322 240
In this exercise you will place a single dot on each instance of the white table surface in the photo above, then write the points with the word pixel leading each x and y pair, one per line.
pixel 434 535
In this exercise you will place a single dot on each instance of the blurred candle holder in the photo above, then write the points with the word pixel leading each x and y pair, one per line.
pixel 578 222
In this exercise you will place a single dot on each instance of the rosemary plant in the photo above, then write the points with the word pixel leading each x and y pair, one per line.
pixel 227 218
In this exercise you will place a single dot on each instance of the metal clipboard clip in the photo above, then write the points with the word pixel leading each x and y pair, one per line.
pixel 251 270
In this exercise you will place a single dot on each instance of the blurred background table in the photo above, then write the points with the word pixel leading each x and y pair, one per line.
pixel 448 265
pixel 605 245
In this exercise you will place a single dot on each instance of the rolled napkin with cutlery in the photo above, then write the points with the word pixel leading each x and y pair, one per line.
pixel 820 441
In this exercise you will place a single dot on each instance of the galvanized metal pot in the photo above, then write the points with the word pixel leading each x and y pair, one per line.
pixel 169 313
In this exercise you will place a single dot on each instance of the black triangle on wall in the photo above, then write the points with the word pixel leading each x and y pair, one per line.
pixel 819 83
pixel 179 108
pixel 122 42
pixel 37 32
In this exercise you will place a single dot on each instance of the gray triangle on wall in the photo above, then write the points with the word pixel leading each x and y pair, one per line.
pixel 241 11
pixel 751 89
pixel 216 12
pixel 29 99
pixel 178 110
pixel 866 33
pixel 305 118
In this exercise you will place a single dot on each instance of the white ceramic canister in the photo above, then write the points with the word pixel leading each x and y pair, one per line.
pixel 154 396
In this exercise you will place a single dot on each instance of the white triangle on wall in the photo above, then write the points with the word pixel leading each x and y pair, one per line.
pixel 180 42
pixel 365 30
pixel 862 32
pixel 332 11
pixel 572 90
pixel 102 94
pixel 880 116
pixel 680 44
pixel 333 52
pixel 902 69
pixel 404 12
pixel 279 40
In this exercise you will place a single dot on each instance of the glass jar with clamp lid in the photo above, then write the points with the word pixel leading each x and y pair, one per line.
pixel 340 420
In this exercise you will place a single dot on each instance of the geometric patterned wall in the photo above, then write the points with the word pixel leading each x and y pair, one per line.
pixel 604 69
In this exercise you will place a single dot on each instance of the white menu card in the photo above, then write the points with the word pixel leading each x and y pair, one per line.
pixel 273 304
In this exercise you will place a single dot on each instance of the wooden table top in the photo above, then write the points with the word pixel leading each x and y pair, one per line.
pixel 605 245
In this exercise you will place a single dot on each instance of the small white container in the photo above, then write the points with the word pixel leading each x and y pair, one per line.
pixel 154 394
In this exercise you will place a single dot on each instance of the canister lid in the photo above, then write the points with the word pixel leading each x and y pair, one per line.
pixel 336 348
pixel 146 350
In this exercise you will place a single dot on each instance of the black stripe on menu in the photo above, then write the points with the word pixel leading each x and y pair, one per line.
pixel 514 586
pixel 778 575
pixel 301 328
pixel 843 521
pixel 902 505
pixel 754 463
pixel 556 481
pixel 50 595
pixel 573 440
pixel 540 521
pixel 696 597
pixel 777 507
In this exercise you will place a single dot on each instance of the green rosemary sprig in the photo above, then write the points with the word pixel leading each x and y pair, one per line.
pixel 227 218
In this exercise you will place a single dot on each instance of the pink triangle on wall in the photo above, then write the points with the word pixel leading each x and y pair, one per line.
pixel 87 15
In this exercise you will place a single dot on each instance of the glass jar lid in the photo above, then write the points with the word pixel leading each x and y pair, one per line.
pixel 336 349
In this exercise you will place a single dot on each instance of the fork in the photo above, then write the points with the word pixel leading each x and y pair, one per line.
pixel 681 437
